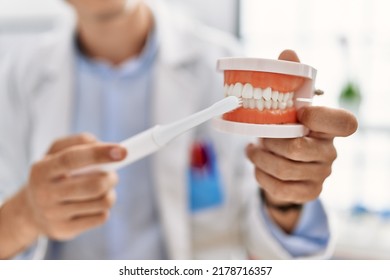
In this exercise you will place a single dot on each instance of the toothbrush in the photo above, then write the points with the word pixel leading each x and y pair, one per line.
pixel 153 139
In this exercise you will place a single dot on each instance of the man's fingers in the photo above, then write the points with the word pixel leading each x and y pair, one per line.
pixel 84 223
pixel 304 149
pixel 80 156
pixel 86 187
pixel 70 229
pixel 87 208
pixel 290 191
pixel 285 169
pixel 328 121
pixel 66 142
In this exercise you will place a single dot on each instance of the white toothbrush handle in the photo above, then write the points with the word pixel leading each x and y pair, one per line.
pixel 170 131
pixel 137 147
pixel 149 141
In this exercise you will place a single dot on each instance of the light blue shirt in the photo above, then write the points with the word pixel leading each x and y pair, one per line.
pixel 114 104
pixel 311 234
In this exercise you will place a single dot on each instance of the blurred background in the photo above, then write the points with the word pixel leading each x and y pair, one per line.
pixel 347 41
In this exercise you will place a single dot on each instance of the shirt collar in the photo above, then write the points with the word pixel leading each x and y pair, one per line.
pixel 130 67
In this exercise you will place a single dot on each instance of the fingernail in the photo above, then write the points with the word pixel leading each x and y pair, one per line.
pixel 117 153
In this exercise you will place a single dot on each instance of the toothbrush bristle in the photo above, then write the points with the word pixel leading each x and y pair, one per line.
pixel 240 102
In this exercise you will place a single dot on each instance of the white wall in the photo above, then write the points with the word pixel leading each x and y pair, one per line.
pixel 38 15
pixel 26 16
pixel 222 14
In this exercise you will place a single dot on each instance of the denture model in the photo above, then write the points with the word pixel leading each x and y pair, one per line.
pixel 271 90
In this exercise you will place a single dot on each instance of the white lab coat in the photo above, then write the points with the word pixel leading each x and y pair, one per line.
pixel 36 94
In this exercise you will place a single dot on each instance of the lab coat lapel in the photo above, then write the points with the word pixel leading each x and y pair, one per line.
pixel 52 98
pixel 173 98
pixel 171 163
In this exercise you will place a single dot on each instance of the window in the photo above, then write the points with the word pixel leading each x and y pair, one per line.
pixel 347 41
pixel 344 40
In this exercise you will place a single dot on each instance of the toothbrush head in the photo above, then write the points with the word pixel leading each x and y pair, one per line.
pixel 240 102
pixel 233 102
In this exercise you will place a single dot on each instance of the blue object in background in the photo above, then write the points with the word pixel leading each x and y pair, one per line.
pixel 204 182
pixel 360 209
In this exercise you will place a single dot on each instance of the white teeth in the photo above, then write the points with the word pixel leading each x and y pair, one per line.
pixel 275 96
pixel 247 92
pixel 267 93
pixel 282 105
pixel 230 90
pixel 267 104
pixel 260 99
pixel 245 103
pixel 237 90
pixel 257 93
pixel 260 104
pixel 286 96
pixel 252 103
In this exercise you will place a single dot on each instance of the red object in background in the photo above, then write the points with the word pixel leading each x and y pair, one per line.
pixel 199 158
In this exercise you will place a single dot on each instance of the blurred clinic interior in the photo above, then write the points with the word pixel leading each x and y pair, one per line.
pixel 347 41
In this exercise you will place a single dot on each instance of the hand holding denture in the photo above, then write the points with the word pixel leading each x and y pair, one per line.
pixel 294 170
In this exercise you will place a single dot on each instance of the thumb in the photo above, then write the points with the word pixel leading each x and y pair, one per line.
pixel 333 122
pixel 289 55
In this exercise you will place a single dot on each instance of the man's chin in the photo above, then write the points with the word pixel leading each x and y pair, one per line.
pixel 109 15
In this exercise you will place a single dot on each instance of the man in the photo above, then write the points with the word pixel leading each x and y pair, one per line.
pixel 128 66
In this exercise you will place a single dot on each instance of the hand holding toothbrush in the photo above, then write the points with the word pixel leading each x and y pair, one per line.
pixel 62 206
pixel 71 189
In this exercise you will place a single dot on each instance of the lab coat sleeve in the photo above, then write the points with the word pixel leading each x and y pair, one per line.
pixel 15 129
pixel 264 239
pixel 36 251
pixel 311 235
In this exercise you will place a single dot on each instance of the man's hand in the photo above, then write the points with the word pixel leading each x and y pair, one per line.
pixel 63 206
pixel 55 204
pixel 294 170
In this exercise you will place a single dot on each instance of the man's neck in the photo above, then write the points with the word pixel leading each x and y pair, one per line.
pixel 118 38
